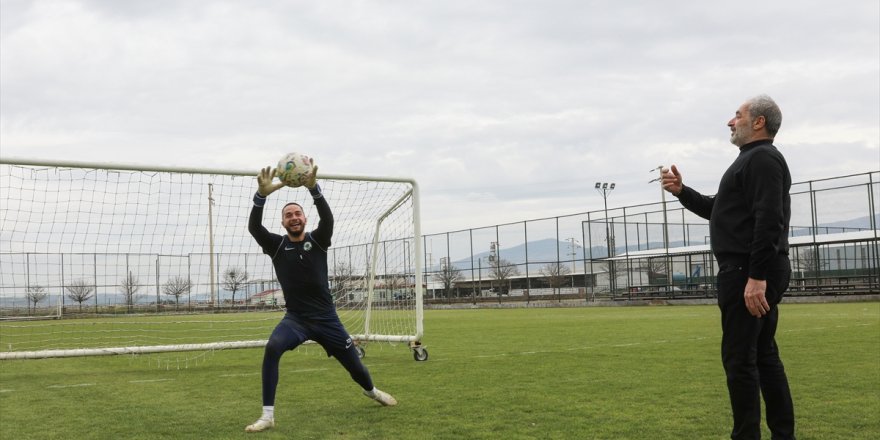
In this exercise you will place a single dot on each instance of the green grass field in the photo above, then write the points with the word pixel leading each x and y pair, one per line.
pixel 575 373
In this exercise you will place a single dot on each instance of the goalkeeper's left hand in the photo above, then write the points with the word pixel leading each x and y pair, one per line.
pixel 312 178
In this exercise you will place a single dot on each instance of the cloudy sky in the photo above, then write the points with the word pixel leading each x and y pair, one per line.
pixel 502 110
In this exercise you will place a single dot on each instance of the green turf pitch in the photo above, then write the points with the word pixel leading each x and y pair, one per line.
pixel 574 373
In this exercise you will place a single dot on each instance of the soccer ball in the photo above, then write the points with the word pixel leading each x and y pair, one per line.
pixel 294 169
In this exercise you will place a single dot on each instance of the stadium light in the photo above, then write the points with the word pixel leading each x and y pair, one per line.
pixel 604 188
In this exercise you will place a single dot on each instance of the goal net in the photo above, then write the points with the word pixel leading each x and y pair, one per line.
pixel 108 259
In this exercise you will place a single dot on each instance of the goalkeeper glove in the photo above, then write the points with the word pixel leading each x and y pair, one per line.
pixel 265 186
pixel 312 178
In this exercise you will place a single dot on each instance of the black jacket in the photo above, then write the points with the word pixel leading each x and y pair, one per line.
pixel 749 216
pixel 301 267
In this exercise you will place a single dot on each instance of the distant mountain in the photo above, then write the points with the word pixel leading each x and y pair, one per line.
pixel 117 299
pixel 546 250
pixel 840 226
pixel 538 251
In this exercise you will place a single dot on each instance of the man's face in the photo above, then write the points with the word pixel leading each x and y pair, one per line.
pixel 293 220
pixel 741 127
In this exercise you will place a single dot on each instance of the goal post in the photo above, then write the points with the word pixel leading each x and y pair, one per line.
pixel 150 259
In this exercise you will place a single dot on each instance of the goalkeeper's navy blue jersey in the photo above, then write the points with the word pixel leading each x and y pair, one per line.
pixel 301 267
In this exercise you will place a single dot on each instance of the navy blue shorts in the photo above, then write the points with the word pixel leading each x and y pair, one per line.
pixel 325 329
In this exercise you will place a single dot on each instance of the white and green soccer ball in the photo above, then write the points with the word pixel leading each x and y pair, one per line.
pixel 294 169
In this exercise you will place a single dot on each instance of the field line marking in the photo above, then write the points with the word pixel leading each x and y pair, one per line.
pixel 377 365
pixel 7 391
pixel 304 370
pixel 71 386
pixel 307 370
pixel 239 374
pixel 590 347
pixel 150 380
pixel 631 344
pixel 807 329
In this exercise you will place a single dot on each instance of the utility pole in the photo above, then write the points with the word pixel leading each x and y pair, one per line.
pixel 494 264
pixel 211 240
pixel 572 242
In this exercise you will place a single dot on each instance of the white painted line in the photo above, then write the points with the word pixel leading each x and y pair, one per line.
pixel 71 386
pixel 239 375
pixel 7 391
pixel 310 369
pixel 306 370
pixel 149 380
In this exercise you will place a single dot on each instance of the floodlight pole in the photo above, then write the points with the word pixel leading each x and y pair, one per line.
pixel 604 188
pixel 659 169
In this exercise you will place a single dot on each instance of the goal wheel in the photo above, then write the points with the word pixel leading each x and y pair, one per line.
pixel 420 354
pixel 360 351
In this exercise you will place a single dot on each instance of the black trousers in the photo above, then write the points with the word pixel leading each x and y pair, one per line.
pixel 750 355
pixel 328 332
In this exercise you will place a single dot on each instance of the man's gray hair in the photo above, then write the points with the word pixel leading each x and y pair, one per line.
pixel 763 105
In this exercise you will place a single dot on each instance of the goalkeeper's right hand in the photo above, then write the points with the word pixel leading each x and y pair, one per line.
pixel 265 186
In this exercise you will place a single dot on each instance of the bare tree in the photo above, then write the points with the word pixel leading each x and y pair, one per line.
pixel 501 272
pixel 398 284
pixel 556 274
pixel 613 268
pixel 657 269
pixel 34 295
pixel 806 259
pixel 129 287
pixel 234 279
pixel 342 281
pixel 79 291
pixel 176 287
pixel 654 266
pixel 448 276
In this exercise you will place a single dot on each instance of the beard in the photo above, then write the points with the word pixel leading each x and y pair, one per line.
pixel 739 137
pixel 295 230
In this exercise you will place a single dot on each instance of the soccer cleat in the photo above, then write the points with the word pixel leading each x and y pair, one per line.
pixel 382 397
pixel 260 425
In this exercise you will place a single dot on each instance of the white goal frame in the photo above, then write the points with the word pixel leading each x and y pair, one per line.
pixel 411 196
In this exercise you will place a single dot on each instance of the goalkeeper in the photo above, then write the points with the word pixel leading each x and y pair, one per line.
pixel 300 260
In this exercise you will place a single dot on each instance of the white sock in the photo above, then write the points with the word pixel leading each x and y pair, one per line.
pixel 372 393
pixel 268 413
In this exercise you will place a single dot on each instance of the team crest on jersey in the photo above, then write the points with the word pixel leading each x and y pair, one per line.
pixel 307 246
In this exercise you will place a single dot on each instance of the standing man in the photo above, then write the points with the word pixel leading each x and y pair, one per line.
pixel 748 223
pixel 300 261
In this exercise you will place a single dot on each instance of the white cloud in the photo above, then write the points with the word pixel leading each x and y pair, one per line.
pixel 521 106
